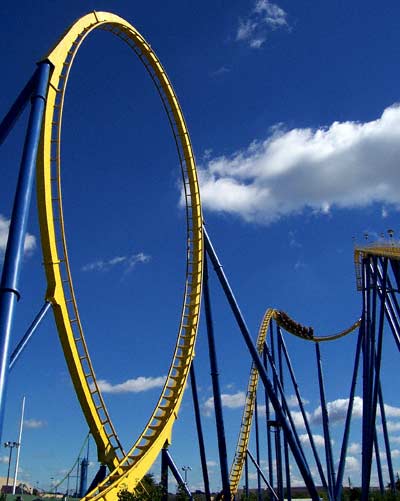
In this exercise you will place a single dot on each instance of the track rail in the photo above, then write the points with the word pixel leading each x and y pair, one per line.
pixel 127 469
pixel 294 328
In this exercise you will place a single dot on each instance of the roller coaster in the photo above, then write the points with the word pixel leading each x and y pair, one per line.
pixel 378 280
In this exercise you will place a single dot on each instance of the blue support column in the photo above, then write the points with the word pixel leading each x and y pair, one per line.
pixel 296 451
pixel 271 490
pixel 164 474
pixel 346 434
pixel 200 435
pixel 18 107
pixel 285 444
pixel 9 293
pixel 29 333
pixel 259 495
pixel 176 474
pixel 246 477
pixel 219 419
pixel 267 419
pixel 304 414
pixel 325 422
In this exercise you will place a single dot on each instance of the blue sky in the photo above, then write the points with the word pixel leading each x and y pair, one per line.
pixel 293 113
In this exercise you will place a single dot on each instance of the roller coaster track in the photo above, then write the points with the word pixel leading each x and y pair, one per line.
pixel 127 469
pixel 296 329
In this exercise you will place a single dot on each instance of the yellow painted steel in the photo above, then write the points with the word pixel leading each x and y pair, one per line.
pixel 391 251
pixel 247 417
pixel 127 469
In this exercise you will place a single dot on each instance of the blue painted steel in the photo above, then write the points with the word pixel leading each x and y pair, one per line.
pixel 284 405
pixel 297 453
pixel 285 444
pixel 325 424
pixel 376 358
pixel 378 464
pixel 200 435
pixel 267 418
pixel 386 439
pixel 304 414
pixel 29 333
pixel 219 419
pixel 246 477
pixel 176 474
pixel 164 474
pixel 83 477
pixel 18 107
pixel 366 362
pixel 257 449
pixel 99 477
pixel 9 293
pixel 271 490
pixel 346 434
pixel 278 445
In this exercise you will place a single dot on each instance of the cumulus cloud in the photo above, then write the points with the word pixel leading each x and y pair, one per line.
pixel 345 165
pixel 34 423
pixel 354 448
pixel 3 459
pixel 352 464
pixel 264 17
pixel 318 439
pixel 127 262
pixel 232 401
pixel 30 240
pixel 136 385
pixel 337 410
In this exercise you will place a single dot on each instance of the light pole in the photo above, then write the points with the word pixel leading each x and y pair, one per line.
pixel 11 445
pixel 185 469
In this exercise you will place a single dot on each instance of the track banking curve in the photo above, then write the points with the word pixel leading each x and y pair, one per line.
pixel 294 328
pixel 126 469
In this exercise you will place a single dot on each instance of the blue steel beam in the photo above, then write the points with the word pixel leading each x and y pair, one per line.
pixel 9 293
pixel 200 435
pixel 285 444
pixel 29 333
pixel 304 414
pixel 325 424
pixel 219 419
pixel 267 418
pixel 296 451
pixel 277 434
pixel 271 490
pixel 346 434
pixel 257 449
pixel 18 107
pixel 176 474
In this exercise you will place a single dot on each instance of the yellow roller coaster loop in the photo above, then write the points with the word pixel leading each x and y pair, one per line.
pixel 127 469
pixel 296 329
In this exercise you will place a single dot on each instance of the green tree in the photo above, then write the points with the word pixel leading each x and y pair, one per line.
pixel 147 490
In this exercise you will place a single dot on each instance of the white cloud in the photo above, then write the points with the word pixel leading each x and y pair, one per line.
pixel 337 410
pixel 264 17
pixel 128 262
pixel 30 240
pixel 3 459
pixel 393 426
pixel 232 401
pixel 352 464
pixel 354 448
pixel 34 423
pixel 318 439
pixel 345 165
pixel 136 385
pixel 391 411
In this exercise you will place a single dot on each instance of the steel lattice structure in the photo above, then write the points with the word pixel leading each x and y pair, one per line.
pixel 378 279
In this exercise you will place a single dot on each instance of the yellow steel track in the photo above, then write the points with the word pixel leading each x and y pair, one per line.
pixel 127 469
pixel 294 328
